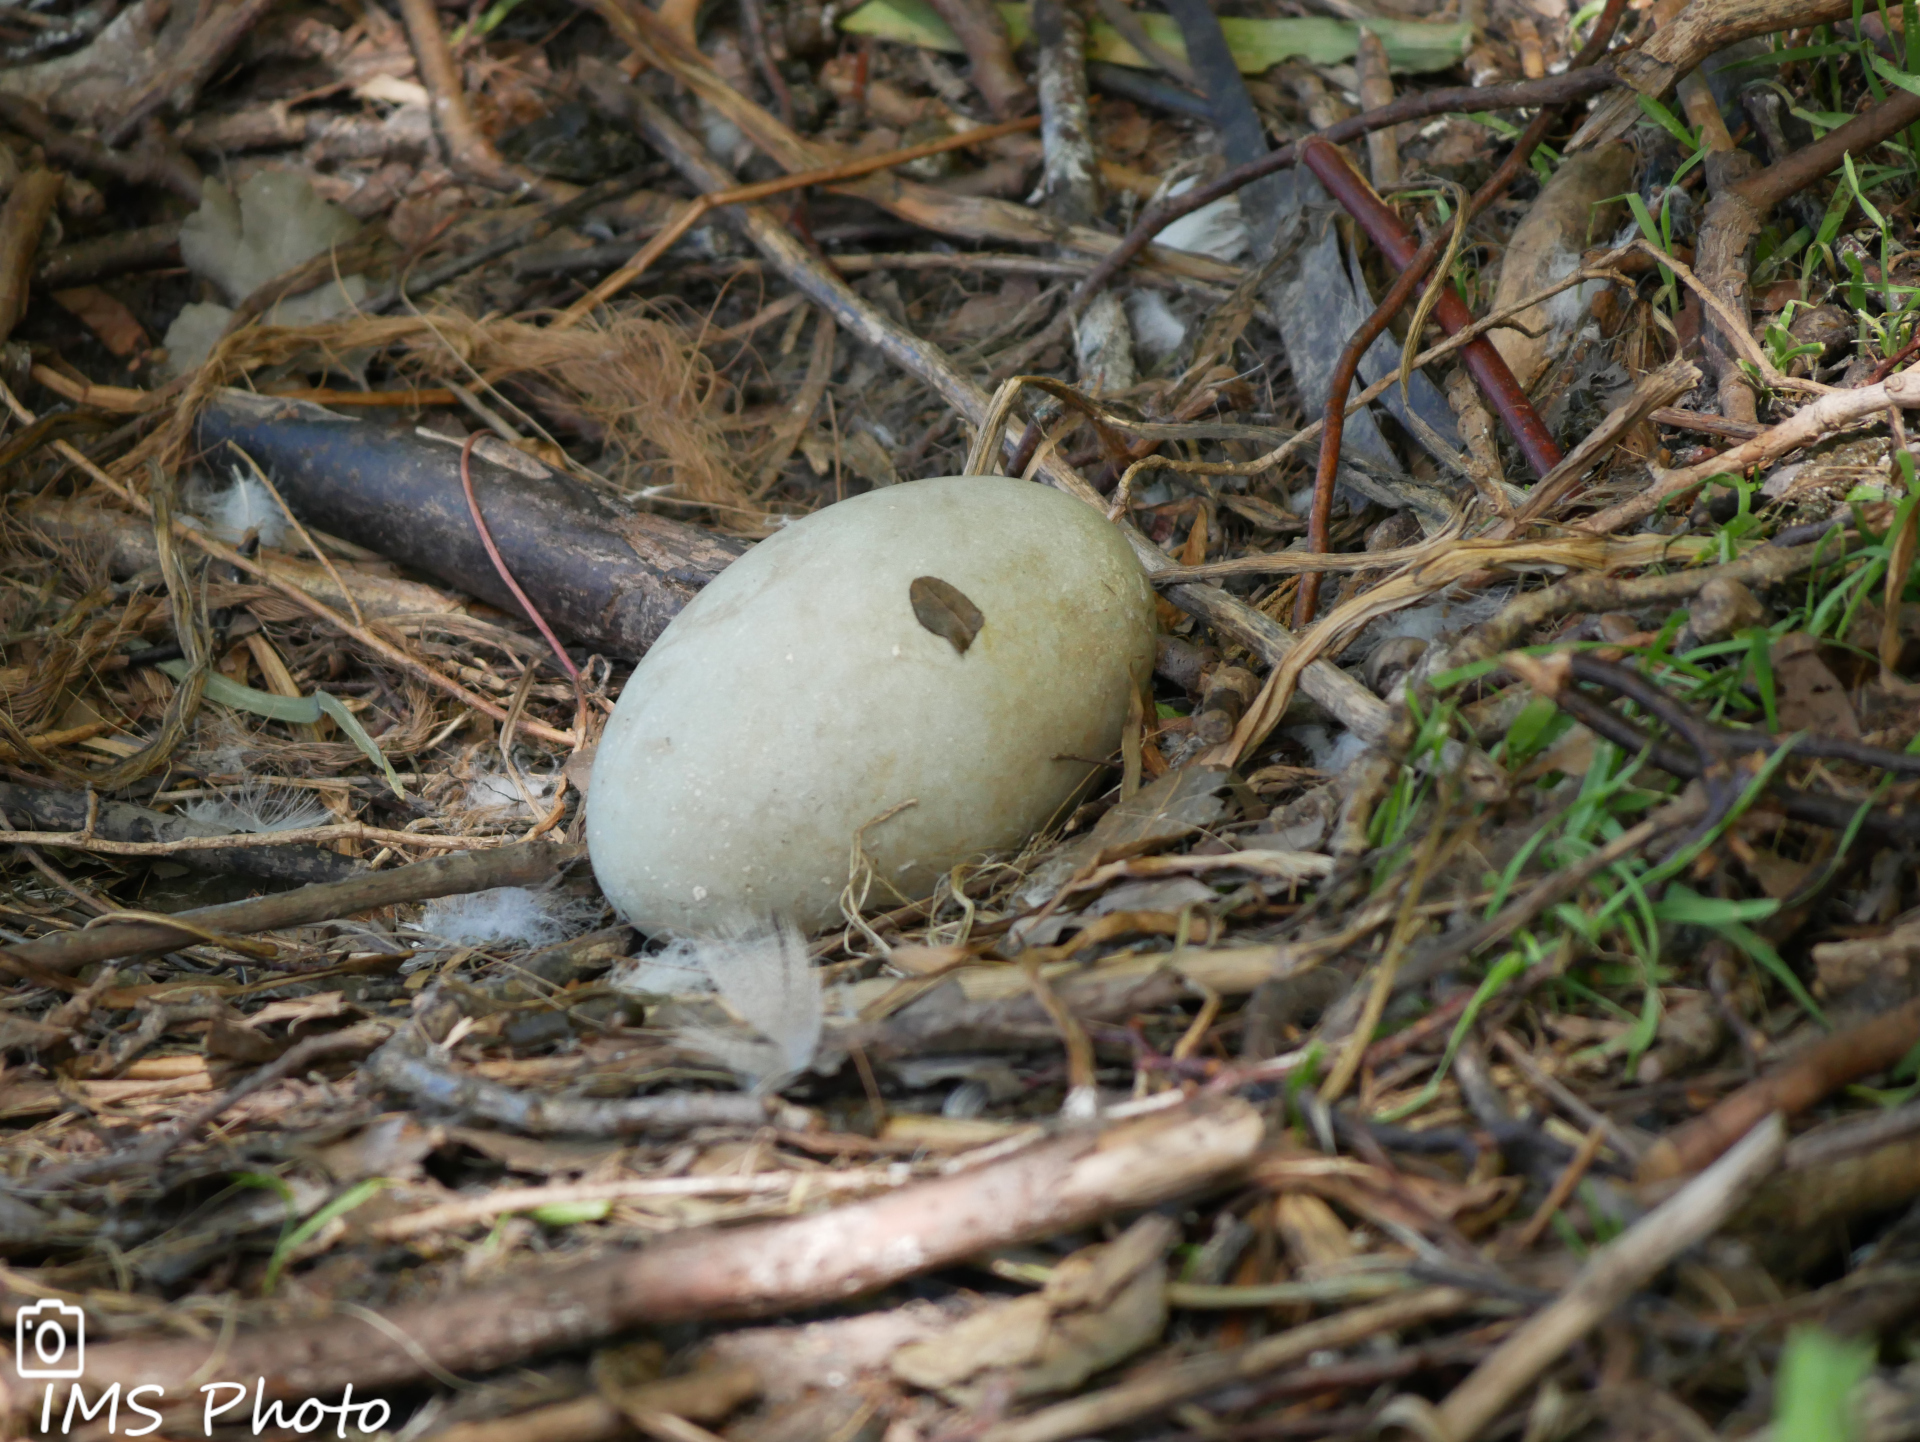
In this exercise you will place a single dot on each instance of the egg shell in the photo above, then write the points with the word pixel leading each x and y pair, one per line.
pixel 798 699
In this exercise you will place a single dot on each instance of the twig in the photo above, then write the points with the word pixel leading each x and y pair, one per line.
pixel 1045 1189
pixel 1694 32
pixel 470 154
pixel 178 80
pixel 366 636
pixel 1563 1186
pixel 983 35
pixel 404 1066
pixel 664 238
pixel 22 220
pixel 1806 1080
pixel 1384 229
pixel 500 565
pixel 355 1040
pixel 1610 1276
pixel 1298 440
pixel 519 865
pixel 786 431
pixel 1555 89
pixel 563 213
pixel 1334 172
pixel 144 166
pixel 1168 1387
pixel 1640 689
pixel 448 1216
pixel 118 821
pixel 240 840
pixel 1762 566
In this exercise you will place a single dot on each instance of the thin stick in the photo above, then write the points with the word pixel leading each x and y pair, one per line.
pixel 365 635
pixel 468 1210
pixel 1047 1188
pixel 337 831
pixel 68 951
pixel 1563 1186
pixel 779 185
pixel 1555 89
pixel 1169 1386
pixel 292 520
pixel 1807 1079
pixel 500 564
pixel 1811 423
pixel 1610 1276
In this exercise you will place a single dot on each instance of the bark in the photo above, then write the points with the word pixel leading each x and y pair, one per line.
pixel 176 83
pixel 1056 1186
pixel 118 821
pixel 611 579
pixel 22 220
pixel 983 35
pixel 527 864
pixel 1070 187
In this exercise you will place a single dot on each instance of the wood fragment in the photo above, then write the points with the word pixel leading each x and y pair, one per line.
pixel 22 220
pixel 519 865
pixel 1804 1081
pixel 761 1270
pixel 1610 1276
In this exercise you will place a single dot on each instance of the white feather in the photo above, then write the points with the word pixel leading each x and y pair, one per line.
pixel 492 793
pixel 1157 331
pixel 1217 229
pixel 504 916
pixel 242 505
pixel 764 974
pixel 260 806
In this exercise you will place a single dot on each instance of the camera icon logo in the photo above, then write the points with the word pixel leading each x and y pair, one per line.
pixel 49 1340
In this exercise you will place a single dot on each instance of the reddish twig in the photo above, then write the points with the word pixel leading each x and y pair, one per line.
pixel 1576 84
pixel 1335 172
pixel 1482 360
pixel 1809 1078
pixel 1384 229
pixel 500 563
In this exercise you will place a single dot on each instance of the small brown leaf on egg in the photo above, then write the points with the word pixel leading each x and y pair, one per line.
pixel 945 610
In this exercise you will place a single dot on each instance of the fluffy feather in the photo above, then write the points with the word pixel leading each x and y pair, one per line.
pixel 1157 331
pixel 764 974
pixel 505 916
pixel 260 806
pixel 242 505
pixel 1218 229
pixel 491 793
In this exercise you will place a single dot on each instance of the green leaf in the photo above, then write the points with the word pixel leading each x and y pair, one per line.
pixel 1812 1395
pixel 1257 45
pixel 565 1214
pixel 1689 908
pixel 1667 121
pixel 1853 182
pixel 303 710
pixel 291 1242
pixel 1886 71
pixel 1532 729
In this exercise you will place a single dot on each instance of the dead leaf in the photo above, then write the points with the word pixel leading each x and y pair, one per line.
pixel 228 1037
pixel 868 458
pixel 1002 1334
pixel 945 610
pixel 106 317
pixel 1082 1343
pixel 1807 695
